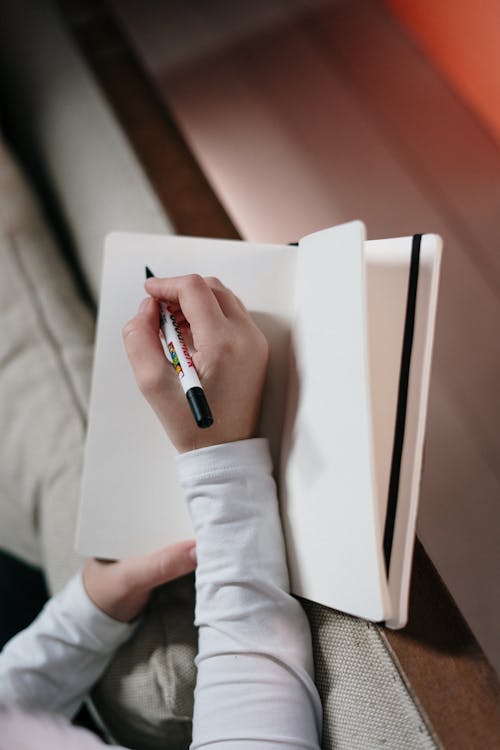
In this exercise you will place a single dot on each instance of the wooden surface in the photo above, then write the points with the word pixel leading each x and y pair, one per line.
pixel 437 653
pixel 444 666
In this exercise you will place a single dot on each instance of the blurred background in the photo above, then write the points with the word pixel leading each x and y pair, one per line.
pixel 300 114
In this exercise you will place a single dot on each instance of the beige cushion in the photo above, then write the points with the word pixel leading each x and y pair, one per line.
pixel 46 349
pixel 151 680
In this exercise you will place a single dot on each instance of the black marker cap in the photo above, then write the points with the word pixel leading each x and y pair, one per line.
pixel 199 407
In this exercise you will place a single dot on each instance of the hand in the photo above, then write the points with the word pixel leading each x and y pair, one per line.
pixel 229 352
pixel 122 588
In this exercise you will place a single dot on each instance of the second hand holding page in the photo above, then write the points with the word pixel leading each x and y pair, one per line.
pixel 183 363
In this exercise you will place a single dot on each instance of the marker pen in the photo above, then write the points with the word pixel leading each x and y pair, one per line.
pixel 183 363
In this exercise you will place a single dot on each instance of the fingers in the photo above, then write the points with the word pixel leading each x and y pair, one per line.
pixel 148 571
pixel 195 298
pixel 231 305
pixel 145 351
pixel 229 352
pixel 122 588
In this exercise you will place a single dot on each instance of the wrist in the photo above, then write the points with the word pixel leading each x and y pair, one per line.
pixel 107 630
pixel 113 600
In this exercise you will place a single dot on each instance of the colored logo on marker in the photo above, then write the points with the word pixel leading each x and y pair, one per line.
pixel 175 360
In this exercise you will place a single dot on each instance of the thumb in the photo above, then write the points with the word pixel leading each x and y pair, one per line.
pixel 161 566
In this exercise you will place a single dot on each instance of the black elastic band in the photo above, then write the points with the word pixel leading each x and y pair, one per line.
pixel 404 375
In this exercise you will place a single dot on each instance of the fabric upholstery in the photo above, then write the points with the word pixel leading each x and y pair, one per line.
pixel 366 704
pixel 151 679
pixel 45 359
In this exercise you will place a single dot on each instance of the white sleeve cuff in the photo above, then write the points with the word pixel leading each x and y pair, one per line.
pixel 240 456
pixel 104 632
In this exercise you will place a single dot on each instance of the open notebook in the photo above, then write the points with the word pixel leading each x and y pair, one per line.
pixel 350 325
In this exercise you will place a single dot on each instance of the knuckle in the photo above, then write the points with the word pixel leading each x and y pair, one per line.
pixel 223 349
pixel 228 346
pixel 166 567
pixel 256 343
pixel 194 281
pixel 263 347
pixel 241 304
pixel 129 328
pixel 151 381
pixel 214 282
pixel 127 582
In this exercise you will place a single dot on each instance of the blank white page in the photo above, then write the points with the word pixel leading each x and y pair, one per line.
pixel 131 502
pixel 328 490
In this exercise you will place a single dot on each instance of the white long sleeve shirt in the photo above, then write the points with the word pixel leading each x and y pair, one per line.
pixel 255 686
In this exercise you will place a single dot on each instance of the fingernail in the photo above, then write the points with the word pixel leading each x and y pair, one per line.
pixel 192 554
pixel 144 305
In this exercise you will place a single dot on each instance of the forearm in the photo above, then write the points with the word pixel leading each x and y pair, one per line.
pixel 255 675
pixel 51 665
